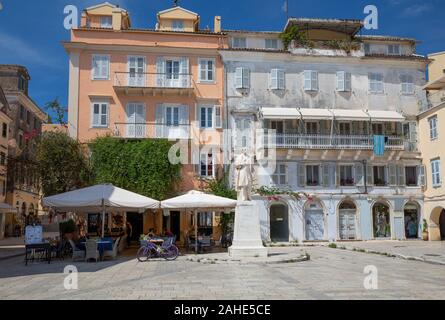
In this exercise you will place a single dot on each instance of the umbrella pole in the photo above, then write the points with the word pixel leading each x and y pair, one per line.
pixel 196 230
pixel 103 219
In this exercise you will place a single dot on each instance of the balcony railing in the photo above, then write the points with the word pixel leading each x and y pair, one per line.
pixel 151 130
pixel 316 141
pixel 436 98
pixel 153 80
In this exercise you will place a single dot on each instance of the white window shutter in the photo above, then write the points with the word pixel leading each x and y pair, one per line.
pixel 239 78
pixel 246 78
pixel 401 178
pixel 340 81
pixel 184 76
pixel 348 82
pixel 160 72
pixel 281 79
pixel 392 173
pixel 314 79
pixel 325 174
pixel 359 178
pixel 105 67
pixel 369 175
pixel 160 121
pixel 307 80
pixel 274 79
pixel 196 161
pixel 218 117
pixel 421 176
pixel 301 175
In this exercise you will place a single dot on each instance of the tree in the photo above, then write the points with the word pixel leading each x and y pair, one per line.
pixel 57 109
pixel 61 163
pixel 141 166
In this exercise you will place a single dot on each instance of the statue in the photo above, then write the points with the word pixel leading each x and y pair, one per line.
pixel 243 164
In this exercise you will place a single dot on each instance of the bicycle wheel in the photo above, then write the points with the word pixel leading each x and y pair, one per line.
pixel 171 253
pixel 143 254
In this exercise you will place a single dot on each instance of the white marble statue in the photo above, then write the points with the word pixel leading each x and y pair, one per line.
pixel 244 168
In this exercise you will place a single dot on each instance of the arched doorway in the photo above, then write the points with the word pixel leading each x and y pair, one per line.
pixel 437 224
pixel 442 224
pixel 314 221
pixel 412 217
pixel 279 222
pixel 347 215
pixel 381 221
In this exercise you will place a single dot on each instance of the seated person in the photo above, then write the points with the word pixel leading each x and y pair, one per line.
pixel 151 233
pixel 168 233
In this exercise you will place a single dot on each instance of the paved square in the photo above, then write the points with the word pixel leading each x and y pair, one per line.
pixel 330 274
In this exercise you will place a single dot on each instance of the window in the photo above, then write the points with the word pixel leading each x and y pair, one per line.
pixel 101 67
pixel 242 78
pixel 310 80
pixel 4 130
pixel 28 117
pixel 407 84
pixel 205 219
pixel 343 81
pixel 411 176
pixel 206 117
pixel 36 124
pixel 394 49
pixel 433 128
pixel 20 140
pixel 172 69
pixel 2 158
pixel 375 83
pixel 22 112
pixel 207 70
pixel 346 175
pixel 379 175
pixel 100 115
pixel 172 116
pixel 271 44
pixel 106 22
pixel 178 25
pixel 377 128
pixel 313 175
pixel 311 127
pixel 435 171
pixel 277 79
pixel 367 48
pixel 21 83
pixel 207 165
pixel 279 177
pixel 239 43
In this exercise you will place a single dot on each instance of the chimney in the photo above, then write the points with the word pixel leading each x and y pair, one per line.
pixel 117 18
pixel 217 27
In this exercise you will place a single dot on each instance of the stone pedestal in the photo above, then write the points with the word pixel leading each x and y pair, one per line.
pixel 247 235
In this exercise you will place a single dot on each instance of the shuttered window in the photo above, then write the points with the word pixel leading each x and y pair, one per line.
pixel 101 67
pixel 242 78
pixel 99 114
pixel 279 177
pixel 310 80
pixel 277 79
pixel 375 83
pixel 343 81
pixel 435 171
pixel 407 84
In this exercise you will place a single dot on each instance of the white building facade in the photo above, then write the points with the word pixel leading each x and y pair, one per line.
pixel 341 125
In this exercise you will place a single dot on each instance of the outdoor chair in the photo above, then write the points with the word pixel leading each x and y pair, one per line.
pixel 189 243
pixel 112 253
pixel 91 251
pixel 77 253
pixel 206 242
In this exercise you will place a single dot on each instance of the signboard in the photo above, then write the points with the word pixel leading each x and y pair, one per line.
pixel 33 235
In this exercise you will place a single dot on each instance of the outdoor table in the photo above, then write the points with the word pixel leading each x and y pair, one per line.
pixel 45 246
pixel 157 241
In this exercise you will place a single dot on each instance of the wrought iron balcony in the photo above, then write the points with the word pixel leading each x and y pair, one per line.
pixel 151 131
pixel 152 83
pixel 318 141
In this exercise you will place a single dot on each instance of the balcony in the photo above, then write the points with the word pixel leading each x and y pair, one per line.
pixel 151 131
pixel 129 83
pixel 316 141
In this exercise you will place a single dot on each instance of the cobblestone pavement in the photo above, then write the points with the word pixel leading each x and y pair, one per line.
pixel 330 274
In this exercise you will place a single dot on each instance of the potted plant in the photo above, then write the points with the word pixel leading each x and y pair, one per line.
pixel 425 230
pixel 68 229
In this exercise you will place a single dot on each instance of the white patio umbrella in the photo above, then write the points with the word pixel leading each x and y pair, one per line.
pixel 102 197
pixel 197 200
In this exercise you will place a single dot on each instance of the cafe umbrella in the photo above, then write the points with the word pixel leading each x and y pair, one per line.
pixel 102 198
pixel 197 201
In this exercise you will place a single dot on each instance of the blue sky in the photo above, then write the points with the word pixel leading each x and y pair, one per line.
pixel 31 31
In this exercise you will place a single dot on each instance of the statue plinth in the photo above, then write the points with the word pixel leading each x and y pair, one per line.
pixel 247 233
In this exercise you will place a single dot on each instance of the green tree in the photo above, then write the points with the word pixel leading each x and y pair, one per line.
pixel 61 163
pixel 141 166
pixel 56 109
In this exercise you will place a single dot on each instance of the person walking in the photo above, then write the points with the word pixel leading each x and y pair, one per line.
pixel 129 230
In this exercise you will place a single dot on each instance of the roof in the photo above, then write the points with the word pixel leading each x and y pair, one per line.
pixel 436 84
pixel 103 5
pixel 252 32
pixel 176 8
pixel 16 67
pixel 386 38
pixel 413 57
pixel 348 26
pixel 201 32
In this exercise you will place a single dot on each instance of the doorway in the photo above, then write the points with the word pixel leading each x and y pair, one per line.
pixel 279 223
pixel 411 215
pixel 347 220
pixel 442 225
pixel 314 222
pixel 381 221
pixel 175 224
pixel 137 225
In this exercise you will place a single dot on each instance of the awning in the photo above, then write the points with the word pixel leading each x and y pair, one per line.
pixel 350 115
pixel 315 114
pixel 436 84
pixel 198 200
pixel 280 113
pixel 385 116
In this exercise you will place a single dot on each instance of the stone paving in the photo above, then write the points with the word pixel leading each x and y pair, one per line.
pixel 329 274
pixel 12 247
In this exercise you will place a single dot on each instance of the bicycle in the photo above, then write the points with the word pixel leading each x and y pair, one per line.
pixel 149 250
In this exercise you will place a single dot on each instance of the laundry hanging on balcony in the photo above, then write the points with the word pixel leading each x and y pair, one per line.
pixel 379 145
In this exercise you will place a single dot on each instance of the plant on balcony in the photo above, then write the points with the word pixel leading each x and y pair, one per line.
pixel 273 193
pixel 345 45
pixel 141 166
pixel 312 183
pixel 298 36
pixel 347 182
pixel 60 163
